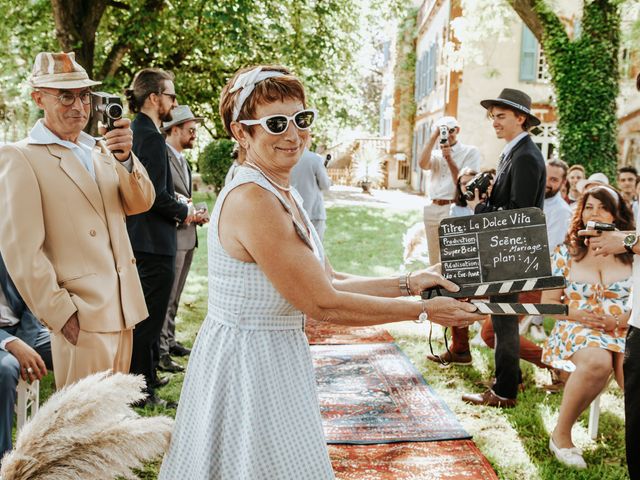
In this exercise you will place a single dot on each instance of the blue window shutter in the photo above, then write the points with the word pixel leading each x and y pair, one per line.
pixel 425 64
pixel 528 56
pixel 416 92
pixel 434 66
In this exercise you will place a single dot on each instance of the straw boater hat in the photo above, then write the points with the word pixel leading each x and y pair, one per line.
pixel 59 70
pixel 512 98
pixel 180 114
pixel 595 179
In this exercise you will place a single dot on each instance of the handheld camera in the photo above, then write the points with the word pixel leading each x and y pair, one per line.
pixel 481 182
pixel 107 108
pixel 444 134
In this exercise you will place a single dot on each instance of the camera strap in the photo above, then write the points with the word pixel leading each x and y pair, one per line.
pixel 435 292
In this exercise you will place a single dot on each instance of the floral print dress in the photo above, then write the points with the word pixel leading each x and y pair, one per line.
pixel 567 336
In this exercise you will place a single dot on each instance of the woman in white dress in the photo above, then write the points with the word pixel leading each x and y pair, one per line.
pixel 249 407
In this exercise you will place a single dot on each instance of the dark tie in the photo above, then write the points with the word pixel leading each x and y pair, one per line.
pixel 501 164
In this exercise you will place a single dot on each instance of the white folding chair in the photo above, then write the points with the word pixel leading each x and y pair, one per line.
pixel 28 401
pixel 594 417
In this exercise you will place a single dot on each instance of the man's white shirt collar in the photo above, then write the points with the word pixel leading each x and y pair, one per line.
pixel 175 152
pixel 41 135
pixel 509 146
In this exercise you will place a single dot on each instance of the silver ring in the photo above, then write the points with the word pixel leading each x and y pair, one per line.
pixel 29 370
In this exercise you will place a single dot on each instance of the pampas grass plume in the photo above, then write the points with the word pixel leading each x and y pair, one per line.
pixel 88 430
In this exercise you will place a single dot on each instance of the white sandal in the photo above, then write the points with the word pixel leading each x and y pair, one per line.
pixel 571 457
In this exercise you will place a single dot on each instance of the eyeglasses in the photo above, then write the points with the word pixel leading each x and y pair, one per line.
pixel 67 98
pixel 172 96
pixel 278 124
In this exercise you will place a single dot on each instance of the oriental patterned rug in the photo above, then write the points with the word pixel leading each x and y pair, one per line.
pixel 372 393
pixel 325 333
pixel 450 460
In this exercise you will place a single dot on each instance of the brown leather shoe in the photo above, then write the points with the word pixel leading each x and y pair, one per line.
pixel 452 357
pixel 490 384
pixel 490 399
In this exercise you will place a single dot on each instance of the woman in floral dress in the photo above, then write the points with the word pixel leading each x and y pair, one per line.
pixel 589 341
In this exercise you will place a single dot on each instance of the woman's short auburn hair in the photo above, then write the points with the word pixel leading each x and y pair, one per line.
pixel 272 89
pixel 622 218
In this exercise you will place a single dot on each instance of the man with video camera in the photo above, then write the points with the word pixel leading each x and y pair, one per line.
pixel 62 233
pixel 520 183
pixel 444 163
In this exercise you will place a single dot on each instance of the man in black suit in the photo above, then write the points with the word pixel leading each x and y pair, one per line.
pixel 153 234
pixel 25 351
pixel 520 183
pixel 181 134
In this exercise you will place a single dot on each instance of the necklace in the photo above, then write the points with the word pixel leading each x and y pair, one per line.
pixel 269 179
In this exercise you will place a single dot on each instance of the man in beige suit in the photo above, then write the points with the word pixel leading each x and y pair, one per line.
pixel 63 234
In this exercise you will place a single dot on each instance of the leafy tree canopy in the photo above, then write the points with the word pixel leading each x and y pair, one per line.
pixel 203 43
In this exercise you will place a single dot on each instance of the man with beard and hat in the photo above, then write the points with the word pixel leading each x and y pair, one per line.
pixel 153 234
pixel 181 133
pixel 520 183
pixel 64 197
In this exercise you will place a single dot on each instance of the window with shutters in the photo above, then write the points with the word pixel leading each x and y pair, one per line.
pixel 533 65
pixel 528 56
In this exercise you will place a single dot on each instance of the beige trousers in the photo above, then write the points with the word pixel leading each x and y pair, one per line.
pixel 433 215
pixel 94 352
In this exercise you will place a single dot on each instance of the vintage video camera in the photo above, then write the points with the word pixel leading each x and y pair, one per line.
pixel 107 108
pixel 481 182
pixel 444 134
pixel 600 226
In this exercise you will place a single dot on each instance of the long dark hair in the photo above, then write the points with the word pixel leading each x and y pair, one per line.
pixel 459 199
pixel 146 82
pixel 622 217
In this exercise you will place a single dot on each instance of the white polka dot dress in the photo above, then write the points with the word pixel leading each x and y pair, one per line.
pixel 249 407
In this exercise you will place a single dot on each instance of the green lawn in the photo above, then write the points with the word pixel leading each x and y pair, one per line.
pixel 368 241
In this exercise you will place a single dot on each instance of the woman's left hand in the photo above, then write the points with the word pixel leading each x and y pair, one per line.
pixel 430 277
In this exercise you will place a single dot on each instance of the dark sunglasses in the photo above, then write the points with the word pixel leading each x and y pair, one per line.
pixel 278 124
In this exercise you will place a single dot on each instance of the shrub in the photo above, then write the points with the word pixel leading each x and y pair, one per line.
pixel 214 162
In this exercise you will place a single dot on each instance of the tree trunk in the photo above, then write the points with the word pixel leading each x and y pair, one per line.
pixel 585 76
pixel 76 24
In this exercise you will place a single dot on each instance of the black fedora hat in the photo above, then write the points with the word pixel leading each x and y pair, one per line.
pixel 512 98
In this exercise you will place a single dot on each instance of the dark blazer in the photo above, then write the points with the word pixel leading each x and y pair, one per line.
pixel 155 231
pixel 28 327
pixel 522 181
pixel 187 235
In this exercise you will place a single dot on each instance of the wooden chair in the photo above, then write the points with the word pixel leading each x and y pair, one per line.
pixel 28 402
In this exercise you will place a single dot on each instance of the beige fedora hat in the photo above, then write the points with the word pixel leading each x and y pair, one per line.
pixel 180 114
pixel 59 70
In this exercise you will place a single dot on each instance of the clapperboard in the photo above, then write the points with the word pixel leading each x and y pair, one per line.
pixel 497 253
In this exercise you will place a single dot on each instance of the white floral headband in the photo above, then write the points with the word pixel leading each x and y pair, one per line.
pixel 247 81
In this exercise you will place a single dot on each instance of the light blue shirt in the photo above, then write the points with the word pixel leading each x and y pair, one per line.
pixel 558 215
pixel 83 149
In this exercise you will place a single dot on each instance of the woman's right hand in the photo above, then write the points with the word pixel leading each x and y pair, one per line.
pixel 587 318
pixel 450 312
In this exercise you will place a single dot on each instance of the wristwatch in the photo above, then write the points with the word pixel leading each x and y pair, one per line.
pixel 629 241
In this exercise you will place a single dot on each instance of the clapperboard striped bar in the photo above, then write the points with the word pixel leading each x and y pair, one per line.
pixel 498 288
pixel 520 308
